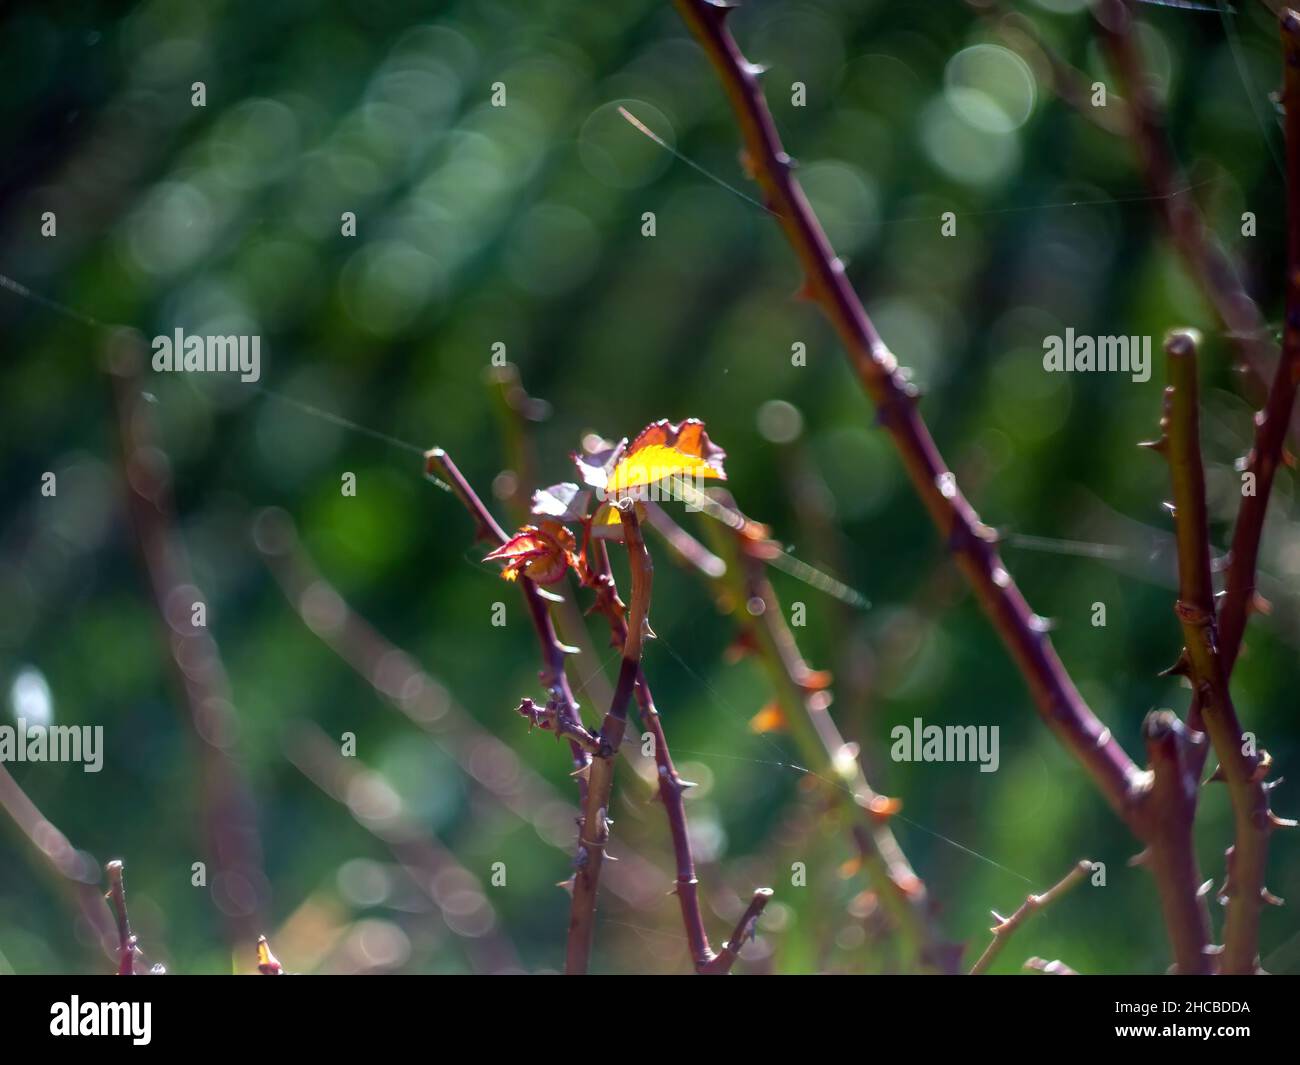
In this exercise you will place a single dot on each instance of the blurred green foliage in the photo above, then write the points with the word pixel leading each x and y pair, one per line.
pixel 522 225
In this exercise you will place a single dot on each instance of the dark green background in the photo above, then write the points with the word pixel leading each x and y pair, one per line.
pixel 522 225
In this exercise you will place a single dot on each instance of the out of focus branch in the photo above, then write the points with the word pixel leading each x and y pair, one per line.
pixel 238 884
pixel 377 809
pixel 804 703
pixel 1069 83
pixel 1266 455
pixel 75 872
pixel 1209 265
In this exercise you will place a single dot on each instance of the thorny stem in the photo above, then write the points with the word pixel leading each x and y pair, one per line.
pixel 743 932
pixel 1239 597
pixel 116 897
pixel 804 707
pixel 554 678
pixel 593 831
pixel 1244 887
pixel 972 542
pixel 671 786
pixel 1005 926
pixel 1210 267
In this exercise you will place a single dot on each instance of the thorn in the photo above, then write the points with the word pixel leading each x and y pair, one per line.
pixel 1161 445
pixel 566 884
pixel 1269 785
pixel 1262 767
pixel 755 70
pixel 1260 605
pixel 567 649
pixel 1181 668
pixel 549 596
pixel 1141 858
pixel 1205 888
pixel 1217 775
pixel 1270 898
pixel 1281 822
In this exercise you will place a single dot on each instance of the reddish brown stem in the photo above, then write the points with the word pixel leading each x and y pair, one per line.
pixel 744 931
pixel 593 836
pixel 672 788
